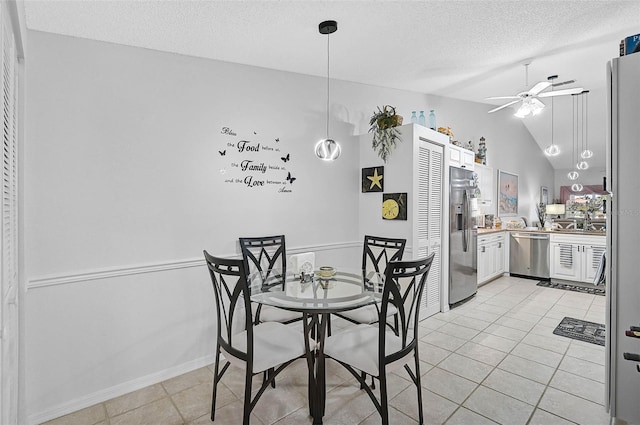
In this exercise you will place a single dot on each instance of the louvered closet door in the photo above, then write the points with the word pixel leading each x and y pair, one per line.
pixel 430 217
pixel 9 290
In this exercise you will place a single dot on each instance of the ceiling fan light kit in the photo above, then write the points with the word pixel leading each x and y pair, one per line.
pixel 531 105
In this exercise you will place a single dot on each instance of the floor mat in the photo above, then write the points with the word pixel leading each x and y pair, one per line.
pixel 581 330
pixel 595 290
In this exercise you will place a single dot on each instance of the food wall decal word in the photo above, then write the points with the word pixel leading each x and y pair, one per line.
pixel 254 162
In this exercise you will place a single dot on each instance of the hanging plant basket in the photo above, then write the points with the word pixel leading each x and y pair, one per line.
pixel 385 134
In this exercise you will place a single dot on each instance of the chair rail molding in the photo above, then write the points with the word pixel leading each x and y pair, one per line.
pixel 67 278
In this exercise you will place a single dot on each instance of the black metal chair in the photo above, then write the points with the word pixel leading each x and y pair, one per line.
pixel 377 350
pixel 258 348
pixel 377 252
pixel 268 254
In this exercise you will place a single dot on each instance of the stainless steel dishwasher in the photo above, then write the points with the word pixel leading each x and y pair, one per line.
pixel 529 255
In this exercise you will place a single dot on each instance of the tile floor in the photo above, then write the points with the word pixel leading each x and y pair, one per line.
pixel 492 360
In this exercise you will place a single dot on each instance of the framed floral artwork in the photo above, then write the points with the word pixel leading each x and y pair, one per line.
pixel 507 193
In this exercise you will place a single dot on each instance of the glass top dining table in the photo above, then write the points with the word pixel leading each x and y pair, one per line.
pixel 311 293
pixel 317 298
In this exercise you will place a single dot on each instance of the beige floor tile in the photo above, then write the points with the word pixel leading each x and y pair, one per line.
pixel 514 323
pixel 505 332
pixel 190 379
pixel 495 342
pixel 231 414
pixel 196 401
pixel 578 385
pixel 89 416
pixel 527 369
pixel 537 354
pixel 158 412
pixel 481 353
pixel 458 331
pixel 572 408
pixel 395 417
pixel 584 352
pixel 583 368
pixel 498 407
pixel 555 343
pixel 464 416
pixel 540 417
pixel 448 385
pixel 443 340
pixel 134 399
pixel 471 323
pixel 466 367
pixel 515 386
pixel 432 354
pixel 436 409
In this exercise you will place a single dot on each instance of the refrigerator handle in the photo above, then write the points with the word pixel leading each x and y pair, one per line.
pixel 465 218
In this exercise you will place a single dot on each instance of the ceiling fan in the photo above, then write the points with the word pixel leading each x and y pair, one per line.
pixel 530 98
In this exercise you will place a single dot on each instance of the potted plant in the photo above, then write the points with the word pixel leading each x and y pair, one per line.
pixel 383 124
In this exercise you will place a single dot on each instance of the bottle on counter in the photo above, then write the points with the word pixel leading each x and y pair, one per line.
pixel 421 119
pixel 497 222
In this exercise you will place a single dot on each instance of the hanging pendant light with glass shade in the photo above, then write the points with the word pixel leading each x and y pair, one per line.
pixel 573 175
pixel 552 149
pixel 583 165
pixel 327 149
pixel 587 153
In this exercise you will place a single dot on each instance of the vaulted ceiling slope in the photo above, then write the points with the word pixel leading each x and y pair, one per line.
pixel 462 49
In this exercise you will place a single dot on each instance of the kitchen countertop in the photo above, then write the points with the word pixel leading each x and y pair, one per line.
pixel 482 231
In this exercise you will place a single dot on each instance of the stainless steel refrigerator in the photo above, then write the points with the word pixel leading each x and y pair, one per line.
pixel 623 233
pixel 463 210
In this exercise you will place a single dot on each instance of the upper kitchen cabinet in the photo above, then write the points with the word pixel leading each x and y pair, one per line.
pixel 461 157
pixel 485 184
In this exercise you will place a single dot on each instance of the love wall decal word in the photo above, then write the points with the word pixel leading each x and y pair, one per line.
pixel 253 162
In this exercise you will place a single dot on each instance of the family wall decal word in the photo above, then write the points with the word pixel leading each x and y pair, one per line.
pixel 255 163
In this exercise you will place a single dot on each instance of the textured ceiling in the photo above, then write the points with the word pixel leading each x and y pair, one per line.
pixel 462 49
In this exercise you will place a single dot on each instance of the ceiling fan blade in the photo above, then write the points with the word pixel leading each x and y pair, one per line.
pixel 539 87
pixel 502 97
pixel 576 90
pixel 563 83
pixel 504 106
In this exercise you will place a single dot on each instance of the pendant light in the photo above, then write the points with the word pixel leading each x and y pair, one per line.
pixel 573 175
pixel 583 165
pixel 587 153
pixel 327 149
pixel 552 150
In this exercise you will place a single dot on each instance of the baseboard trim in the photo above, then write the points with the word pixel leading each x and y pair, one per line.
pixel 117 390
pixel 64 279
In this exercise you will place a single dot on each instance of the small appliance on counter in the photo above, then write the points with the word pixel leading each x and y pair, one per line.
pixel 488 221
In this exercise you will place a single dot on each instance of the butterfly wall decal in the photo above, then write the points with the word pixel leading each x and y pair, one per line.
pixel 290 178
pixel 285 158
pixel 222 153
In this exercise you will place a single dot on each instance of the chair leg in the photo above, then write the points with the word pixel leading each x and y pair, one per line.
pixel 384 405
pixel 419 389
pixel 215 384
pixel 246 411
pixel 271 373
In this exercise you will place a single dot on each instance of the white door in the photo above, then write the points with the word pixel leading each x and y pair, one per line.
pixel 9 228
pixel 430 220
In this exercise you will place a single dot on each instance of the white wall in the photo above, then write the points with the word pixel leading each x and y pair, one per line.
pixel 123 190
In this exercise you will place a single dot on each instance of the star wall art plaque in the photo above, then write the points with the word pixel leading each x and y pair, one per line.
pixel 372 179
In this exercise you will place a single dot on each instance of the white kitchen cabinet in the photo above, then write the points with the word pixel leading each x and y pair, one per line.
pixel 461 157
pixel 491 252
pixel 575 257
pixel 485 184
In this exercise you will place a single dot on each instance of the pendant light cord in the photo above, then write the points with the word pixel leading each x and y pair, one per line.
pixel 328 56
